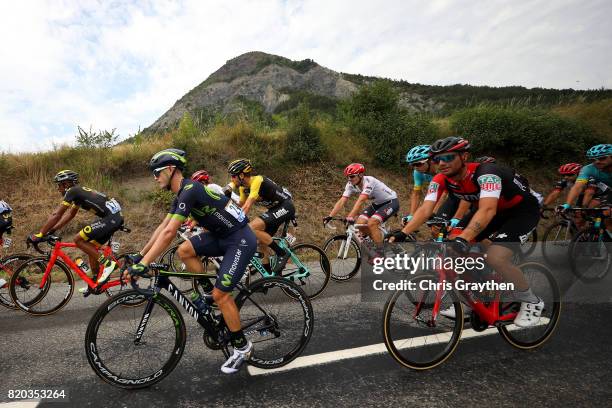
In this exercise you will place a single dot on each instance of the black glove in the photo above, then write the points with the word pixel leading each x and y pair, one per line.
pixel 34 239
pixel 327 219
pixel 399 236
pixel 134 258
pixel 459 245
pixel 349 220
pixel 138 270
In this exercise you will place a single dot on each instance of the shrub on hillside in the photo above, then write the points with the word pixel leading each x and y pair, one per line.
pixel 303 138
pixel 524 135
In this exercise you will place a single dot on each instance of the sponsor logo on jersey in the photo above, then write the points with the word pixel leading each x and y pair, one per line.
pixel 280 212
pixel 489 182
pixel 433 188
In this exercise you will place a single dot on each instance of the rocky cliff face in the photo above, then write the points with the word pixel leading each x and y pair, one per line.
pixel 265 78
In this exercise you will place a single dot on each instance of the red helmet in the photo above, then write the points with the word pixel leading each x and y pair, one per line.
pixel 354 168
pixel 201 176
pixel 570 169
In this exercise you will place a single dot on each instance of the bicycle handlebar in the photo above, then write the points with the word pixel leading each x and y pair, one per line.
pixel 48 239
pixel 153 267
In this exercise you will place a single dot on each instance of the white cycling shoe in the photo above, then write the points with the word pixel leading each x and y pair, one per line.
pixel 108 269
pixel 529 315
pixel 2 282
pixel 450 312
pixel 239 357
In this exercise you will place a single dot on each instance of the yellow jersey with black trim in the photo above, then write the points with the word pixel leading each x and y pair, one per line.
pixel 91 200
pixel 266 192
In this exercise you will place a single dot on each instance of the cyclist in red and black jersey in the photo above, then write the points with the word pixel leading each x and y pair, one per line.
pixel 93 235
pixel 506 213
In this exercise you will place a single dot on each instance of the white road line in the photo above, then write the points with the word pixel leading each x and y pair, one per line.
pixel 19 404
pixel 380 348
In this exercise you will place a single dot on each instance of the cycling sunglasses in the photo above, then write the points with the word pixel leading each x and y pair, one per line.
pixel 446 158
pixel 602 158
pixel 353 176
pixel 419 164
pixel 158 171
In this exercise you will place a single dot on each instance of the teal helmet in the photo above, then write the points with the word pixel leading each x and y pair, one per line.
pixel 599 150
pixel 417 153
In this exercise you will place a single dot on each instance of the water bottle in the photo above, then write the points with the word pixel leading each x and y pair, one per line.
pixel 81 264
pixel 202 304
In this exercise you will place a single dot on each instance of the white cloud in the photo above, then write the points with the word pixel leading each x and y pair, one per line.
pixel 122 64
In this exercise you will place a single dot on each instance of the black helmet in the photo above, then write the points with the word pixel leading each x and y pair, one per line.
pixel 239 166
pixel 168 157
pixel 66 175
pixel 449 144
pixel 485 159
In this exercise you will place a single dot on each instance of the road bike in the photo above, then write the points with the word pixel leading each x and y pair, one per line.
pixel 51 278
pixel 139 346
pixel 590 252
pixel 418 336
pixel 8 264
pixel 557 237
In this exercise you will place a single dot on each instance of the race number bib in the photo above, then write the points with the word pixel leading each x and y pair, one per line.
pixel 113 206
pixel 235 211
pixel 7 242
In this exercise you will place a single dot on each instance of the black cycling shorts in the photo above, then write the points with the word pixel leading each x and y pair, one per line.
pixel 100 231
pixel 277 216
pixel 382 211
pixel 6 222
pixel 511 228
pixel 237 249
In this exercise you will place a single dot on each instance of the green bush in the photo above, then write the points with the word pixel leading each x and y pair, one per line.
pixel 303 138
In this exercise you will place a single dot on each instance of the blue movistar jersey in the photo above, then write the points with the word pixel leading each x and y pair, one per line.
pixel 213 211
pixel 592 174
pixel 420 179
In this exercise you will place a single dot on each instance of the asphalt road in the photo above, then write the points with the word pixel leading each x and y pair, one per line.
pixel 572 369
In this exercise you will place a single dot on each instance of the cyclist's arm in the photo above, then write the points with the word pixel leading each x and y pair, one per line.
pixel 338 206
pixel 576 190
pixel 440 202
pixel 68 216
pixel 155 235
pixel 551 197
pixel 54 218
pixel 358 205
pixel 163 239
pixel 464 207
pixel 421 215
pixel 487 208
pixel 588 196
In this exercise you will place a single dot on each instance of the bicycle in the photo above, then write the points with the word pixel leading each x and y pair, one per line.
pixel 308 265
pixel 418 336
pixel 138 347
pixel 8 264
pixel 345 249
pixel 54 269
pixel 557 237
pixel 590 251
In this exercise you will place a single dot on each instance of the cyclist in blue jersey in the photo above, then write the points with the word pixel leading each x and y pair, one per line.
pixel 422 173
pixel 227 235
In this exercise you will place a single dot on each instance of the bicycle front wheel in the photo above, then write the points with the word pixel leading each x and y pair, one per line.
pixel 8 266
pixel 40 299
pixel 556 241
pixel 135 347
pixel 344 261
pixel 412 337
pixel 590 257
pixel 315 261
pixel 544 286
pixel 279 326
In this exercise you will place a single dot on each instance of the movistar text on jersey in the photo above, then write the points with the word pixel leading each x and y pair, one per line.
pixel 412 264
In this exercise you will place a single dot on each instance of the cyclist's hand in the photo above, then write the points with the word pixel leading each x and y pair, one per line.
pixel 327 219
pixel 349 220
pixel 398 236
pixel 406 219
pixel 35 238
pixel 135 258
pixel 138 270
pixel 459 246
pixel 454 222
pixel 562 208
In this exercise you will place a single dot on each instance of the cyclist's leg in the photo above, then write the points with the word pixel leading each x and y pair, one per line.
pixel 273 219
pixel 98 234
pixel 364 218
pixel 264 239
pixel 83 242
pixel 382 214
pixel 191 252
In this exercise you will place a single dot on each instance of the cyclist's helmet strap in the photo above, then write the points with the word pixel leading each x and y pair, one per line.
pixel 570 169
pixel 599 150
pixel 417 153
pixel 354 168
pixel 66 175
pixel 168 157
pixel 449 144
pixel 239 166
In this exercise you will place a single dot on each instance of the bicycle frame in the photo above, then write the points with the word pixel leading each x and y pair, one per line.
pixel 353 233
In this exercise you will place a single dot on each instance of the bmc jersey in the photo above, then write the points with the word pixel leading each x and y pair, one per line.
pixel 215 212
pixel 373 188
pixel 91 200
pixel 266 192
pixel 420 179
pixel 592 174
pixel 483 180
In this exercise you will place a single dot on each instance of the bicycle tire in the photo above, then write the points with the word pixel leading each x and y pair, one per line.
pixel 399 344
pixel 536 336
pixel 100 356
pixel 282 333
pixel 583 252
pixel 50 299
pixel 185 285
pixel 340 266
pixel 317 281
pixel 9 264
pixel 550 241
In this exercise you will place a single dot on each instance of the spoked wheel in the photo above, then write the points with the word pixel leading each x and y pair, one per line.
pixel 185 285
pixel 279 326
pixel 37 298
pixel 123 261
pixel 556 241
pixel 528 247
pixel 544 286
pixel 411 335
pixel 590 257
pixel 345 261
pixel 8 266
pixel 127 354
pixel 315 261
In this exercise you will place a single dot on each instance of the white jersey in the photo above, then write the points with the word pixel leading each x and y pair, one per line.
pixel 373 188
pixel 219 190
pixel 4 207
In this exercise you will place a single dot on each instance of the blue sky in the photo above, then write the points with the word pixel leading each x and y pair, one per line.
pixel 122 64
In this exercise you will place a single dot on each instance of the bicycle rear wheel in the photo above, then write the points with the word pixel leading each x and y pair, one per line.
pixel 544 285
pixel 313 258
pixel 8 265
pixel 42 300
pixel 185 285
pixel 411 336
pixel 556 241
pixel 343 267
pixel 116 354
pixel 278 325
